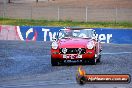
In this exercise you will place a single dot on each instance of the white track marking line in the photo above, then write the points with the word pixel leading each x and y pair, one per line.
pixel 117 53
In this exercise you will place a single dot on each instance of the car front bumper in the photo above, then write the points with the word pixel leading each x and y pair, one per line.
pixel 89 54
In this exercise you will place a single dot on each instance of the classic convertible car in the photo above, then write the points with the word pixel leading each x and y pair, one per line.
pixel 76 44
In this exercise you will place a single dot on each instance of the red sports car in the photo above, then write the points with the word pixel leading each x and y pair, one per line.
pixel 76 44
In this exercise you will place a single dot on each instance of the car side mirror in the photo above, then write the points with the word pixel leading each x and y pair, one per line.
pixel 95 39
pixel 54 39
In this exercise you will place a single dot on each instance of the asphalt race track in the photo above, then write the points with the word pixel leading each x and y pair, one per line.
pixel 27 65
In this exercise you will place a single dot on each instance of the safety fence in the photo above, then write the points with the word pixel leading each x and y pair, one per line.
pixel 85 14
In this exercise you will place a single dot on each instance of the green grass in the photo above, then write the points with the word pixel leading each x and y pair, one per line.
pixel 28 22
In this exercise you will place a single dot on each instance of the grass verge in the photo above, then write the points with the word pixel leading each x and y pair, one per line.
pixel 27 22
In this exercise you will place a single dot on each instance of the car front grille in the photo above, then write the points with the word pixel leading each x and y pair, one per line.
pixel 73 51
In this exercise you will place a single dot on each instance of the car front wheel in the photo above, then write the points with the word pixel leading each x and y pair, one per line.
pixel 54 62
pixel 93 61
pixel 99 58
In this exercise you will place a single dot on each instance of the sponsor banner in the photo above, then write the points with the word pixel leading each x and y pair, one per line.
pixel 118 36
pixel 105 35
pixel 37 33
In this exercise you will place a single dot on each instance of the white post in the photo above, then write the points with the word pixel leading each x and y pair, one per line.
pixel 86 15
pixel 31 12
pixel 58 13
pixel 116 16
pixel 4 8
pixel 116 12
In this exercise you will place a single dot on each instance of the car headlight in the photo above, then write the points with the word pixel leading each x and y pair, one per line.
pixel 90 45
pixel 64 50
pixel 54 45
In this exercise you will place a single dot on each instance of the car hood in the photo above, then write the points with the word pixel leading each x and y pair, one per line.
pixel 73 43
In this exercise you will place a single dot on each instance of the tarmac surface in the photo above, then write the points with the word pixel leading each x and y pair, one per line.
pixel 27 65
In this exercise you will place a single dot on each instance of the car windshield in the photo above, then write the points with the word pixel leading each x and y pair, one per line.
pixel 76 33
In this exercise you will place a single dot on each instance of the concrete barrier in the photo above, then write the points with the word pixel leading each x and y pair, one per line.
pixel 8 32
